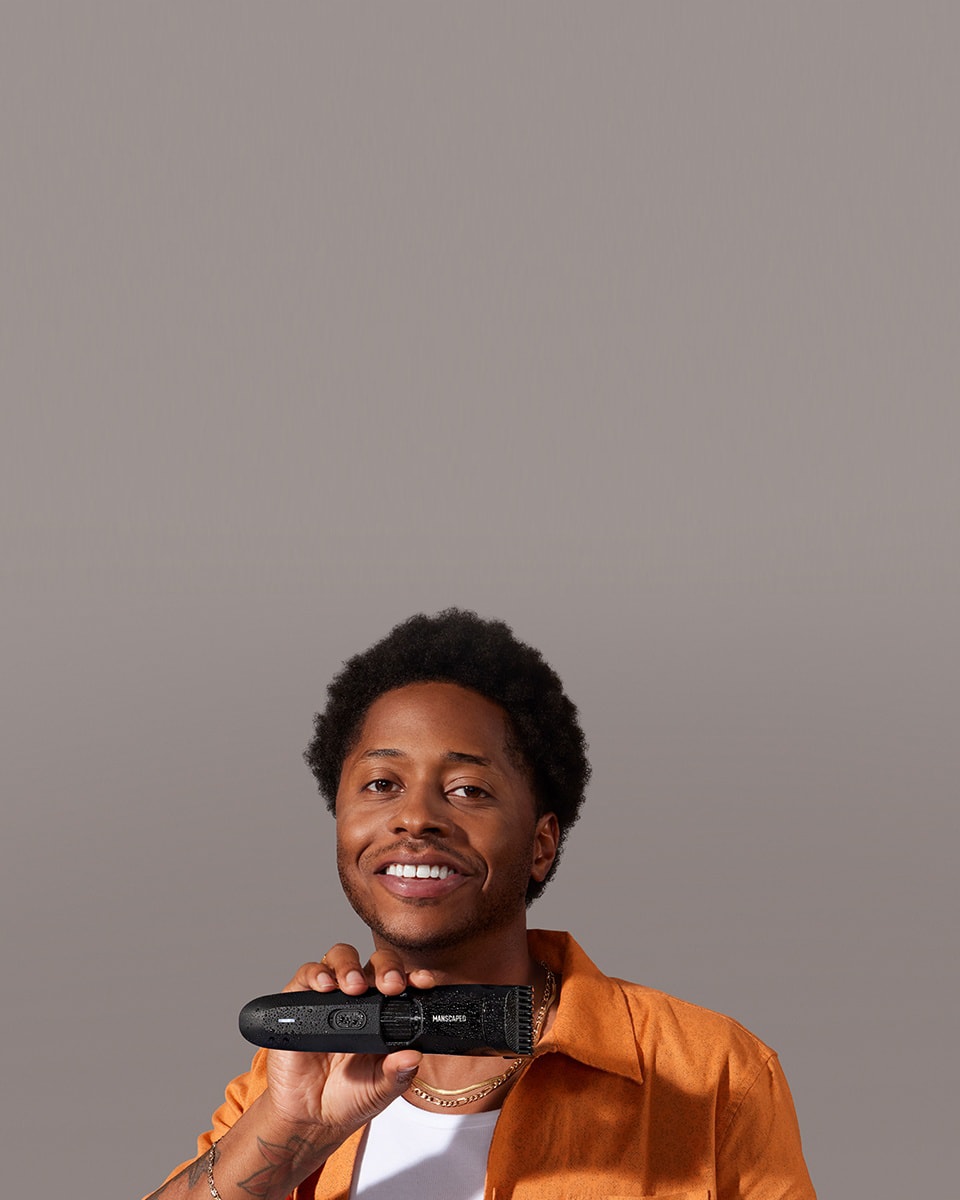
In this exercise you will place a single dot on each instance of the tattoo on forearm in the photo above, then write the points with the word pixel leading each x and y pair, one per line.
pixel 197 1171
pixel 281 1160
pixel 277 1178
pixel 194 1172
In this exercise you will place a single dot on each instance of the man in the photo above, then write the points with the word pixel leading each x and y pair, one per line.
pixel 455 766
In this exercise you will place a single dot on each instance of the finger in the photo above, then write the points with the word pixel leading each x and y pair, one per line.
pixel 422 978
pixel 388 972
pixel 400 1068
pixel 340 968
pixel 312 977
pixel 342 961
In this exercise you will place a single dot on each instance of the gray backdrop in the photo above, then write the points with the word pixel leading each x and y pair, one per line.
pixel 634 324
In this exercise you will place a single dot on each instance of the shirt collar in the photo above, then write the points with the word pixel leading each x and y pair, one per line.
pixel 593 1022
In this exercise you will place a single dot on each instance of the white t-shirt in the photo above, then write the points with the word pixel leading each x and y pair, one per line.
pixel 410 1154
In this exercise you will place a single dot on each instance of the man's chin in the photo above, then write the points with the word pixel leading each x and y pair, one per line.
pixel 424 925
pixel 424 928
pixel 418 937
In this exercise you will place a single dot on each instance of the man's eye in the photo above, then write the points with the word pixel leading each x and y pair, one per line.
pixel 380 785
pixel 470 791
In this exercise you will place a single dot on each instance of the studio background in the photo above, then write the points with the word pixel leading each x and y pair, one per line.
pixel 634 325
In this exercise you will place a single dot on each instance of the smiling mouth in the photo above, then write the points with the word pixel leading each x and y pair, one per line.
pixel 419 870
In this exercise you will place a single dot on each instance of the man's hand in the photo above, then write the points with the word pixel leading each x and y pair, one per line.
pixel 340 968
pixel 341 1092
pixel 312 1102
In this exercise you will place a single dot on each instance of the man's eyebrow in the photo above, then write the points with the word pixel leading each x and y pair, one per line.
pixel 382 754
pixel 458 756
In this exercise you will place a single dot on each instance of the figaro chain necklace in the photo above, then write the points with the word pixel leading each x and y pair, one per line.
pixel 456 1097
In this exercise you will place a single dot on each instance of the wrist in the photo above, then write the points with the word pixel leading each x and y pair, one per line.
pixel 277 1124
pixel 265 1154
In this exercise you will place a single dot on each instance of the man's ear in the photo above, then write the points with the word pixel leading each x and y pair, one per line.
pixel 545 841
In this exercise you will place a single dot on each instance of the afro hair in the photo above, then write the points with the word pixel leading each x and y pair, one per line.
pixel 457 646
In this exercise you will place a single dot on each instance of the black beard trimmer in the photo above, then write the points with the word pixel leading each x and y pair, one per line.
pixel 448 1019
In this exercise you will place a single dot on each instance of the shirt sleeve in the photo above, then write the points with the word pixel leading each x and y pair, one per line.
pixel 240 1093
pixel 760 1156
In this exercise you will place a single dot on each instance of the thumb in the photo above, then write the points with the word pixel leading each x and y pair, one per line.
pixel 399 1069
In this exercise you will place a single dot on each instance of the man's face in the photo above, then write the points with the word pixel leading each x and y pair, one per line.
pixel 437 831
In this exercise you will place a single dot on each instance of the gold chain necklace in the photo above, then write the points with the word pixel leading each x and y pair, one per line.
pixel 456 1097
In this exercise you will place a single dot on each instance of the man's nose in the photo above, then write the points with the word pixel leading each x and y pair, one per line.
pixel 424 809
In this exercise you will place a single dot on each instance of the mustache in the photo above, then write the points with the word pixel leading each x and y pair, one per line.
pixel 419 846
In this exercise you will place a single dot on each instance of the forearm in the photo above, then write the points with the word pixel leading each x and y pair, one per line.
pixel 285 1116
pixel 260 1156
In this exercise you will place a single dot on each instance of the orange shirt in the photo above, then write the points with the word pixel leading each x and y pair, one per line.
pixel 631 1093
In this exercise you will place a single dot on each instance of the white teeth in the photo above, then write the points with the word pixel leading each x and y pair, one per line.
pixel 422 871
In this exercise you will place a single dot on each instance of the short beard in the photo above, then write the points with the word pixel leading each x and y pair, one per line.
pixel 498 912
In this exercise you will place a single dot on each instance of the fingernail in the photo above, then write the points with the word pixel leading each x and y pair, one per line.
pixel 355 978
pixel 393 977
